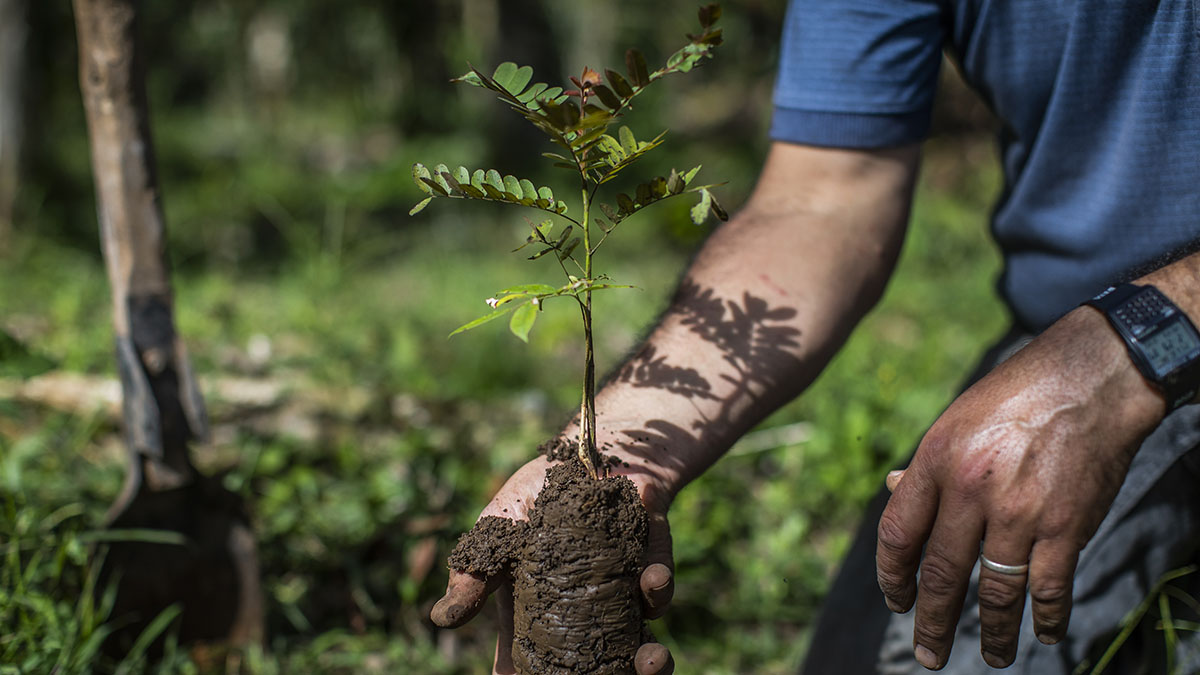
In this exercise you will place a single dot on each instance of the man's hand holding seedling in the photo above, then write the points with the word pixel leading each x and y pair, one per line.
pixel 467 593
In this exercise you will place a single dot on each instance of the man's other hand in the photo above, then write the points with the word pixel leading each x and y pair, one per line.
pixel 1021 468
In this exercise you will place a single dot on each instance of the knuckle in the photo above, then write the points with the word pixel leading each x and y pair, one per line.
pixel 937 440
pixel 1058 522
pixel 933 633
pixel 1050 624
pixel 892 537
pixel 1054 593
pixel 938 576
pixel 1007 515
pixel 999 597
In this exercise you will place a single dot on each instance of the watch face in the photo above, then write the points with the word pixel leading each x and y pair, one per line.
pixel 1170 346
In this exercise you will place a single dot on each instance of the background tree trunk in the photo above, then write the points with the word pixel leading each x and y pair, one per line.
pixel 13 30
pixel 215 574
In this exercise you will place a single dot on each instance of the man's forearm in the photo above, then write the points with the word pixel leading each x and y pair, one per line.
pixel 765 305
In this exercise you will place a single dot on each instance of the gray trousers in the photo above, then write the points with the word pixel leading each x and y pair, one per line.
pixel 1152 528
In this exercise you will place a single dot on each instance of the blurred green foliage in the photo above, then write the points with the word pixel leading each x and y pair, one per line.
pixel 285 132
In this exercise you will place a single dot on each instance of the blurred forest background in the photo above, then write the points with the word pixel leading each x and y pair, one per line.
pixel 316 313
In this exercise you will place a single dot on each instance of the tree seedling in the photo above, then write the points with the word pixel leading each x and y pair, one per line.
pixel 578 121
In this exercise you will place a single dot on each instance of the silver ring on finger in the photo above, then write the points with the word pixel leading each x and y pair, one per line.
pixel 1001 568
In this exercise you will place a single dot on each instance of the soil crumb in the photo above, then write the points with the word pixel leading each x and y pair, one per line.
pixel 557 449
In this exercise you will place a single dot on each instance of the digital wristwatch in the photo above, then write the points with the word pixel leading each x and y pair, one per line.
pixel 1161 340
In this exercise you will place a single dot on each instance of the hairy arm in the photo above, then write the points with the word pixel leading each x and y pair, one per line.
pixel 767 302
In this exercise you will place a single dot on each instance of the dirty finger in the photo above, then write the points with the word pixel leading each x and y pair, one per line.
pixel 465 594
pixel 653 659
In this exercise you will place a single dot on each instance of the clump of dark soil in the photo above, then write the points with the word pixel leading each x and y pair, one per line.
pixel 490 548
pixel 575 567
pixel 557 449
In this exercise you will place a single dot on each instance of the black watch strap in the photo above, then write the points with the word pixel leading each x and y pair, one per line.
pixel 1162 342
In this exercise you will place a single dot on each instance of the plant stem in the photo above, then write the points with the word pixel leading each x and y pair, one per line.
pixel 588 453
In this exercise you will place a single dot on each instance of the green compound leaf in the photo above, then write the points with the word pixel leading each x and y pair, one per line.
pixel 532 92
pixel 472 191
pixel 687 177
pixel 505 74
pixel 619 156
pixel 456 188
pixel 700 211
pixel 658 186
pixel 420 174
pixel 565 252
pixel 597 287
pixel 644 194
pixel 562 237
pixel 439 172
pixel 491 316
pixel 675 183
pixel 628 143
pixel 619 84
pixel 462 183
pixel 522 320
pixel 529 289
pixel 519 80
pixel 588 135
pixel 610 213
pixel 493 178
pixel 607 96
pixel 718 210
pixel 528 190
pixel 612 147
pixel 635 65
pixel 472 78
pixel 513 187
pixel 563 116
pixel 435 187
pixel 420 206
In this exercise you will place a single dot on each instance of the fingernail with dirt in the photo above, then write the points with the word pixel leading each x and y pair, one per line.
pixel 926 657
pixel 654 659
pixel 658 587
pixel 447 613
pixel 995 660
pixel 1047 638
pixel 657 577
pixel 894 606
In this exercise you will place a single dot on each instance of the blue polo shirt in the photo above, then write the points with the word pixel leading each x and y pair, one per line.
pixel 1100 105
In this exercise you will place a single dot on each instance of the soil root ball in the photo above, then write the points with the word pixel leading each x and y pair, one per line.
pixel 576 601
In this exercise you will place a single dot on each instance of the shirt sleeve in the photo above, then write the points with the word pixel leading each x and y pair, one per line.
pixel 858 73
